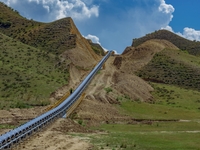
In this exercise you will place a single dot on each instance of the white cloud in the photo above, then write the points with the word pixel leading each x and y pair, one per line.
pixel 47 8
pixel 191 34
pixel 9 2
pixel 188 33
pixel 76 9
pixel 165 8
pixel 94 38
pixel 37 1
pixel 89 2
pixel 169 28
pixel 57 9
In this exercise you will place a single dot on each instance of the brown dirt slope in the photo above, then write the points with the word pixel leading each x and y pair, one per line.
pixel 55 138
pixel 107 87
pixel 98 103
pixel 133 58
pixel 62 38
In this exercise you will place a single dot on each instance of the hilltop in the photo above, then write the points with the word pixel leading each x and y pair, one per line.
pixel 161 61
pixel 193 47
pixel 56 37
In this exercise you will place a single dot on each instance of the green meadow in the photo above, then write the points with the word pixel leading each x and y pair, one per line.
pixel 174 118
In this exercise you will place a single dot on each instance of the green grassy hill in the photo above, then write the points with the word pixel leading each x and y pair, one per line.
pixel 174 67
pixel 34 57
pixel 28 75
pixel 31 68
pixel 53 37
pixel 14 25
pixel 192 47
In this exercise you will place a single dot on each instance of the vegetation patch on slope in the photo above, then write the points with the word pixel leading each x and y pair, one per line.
pixel 52 37
pixel 28 75
pixel 97 49
pixel 170 102
pixel 173 67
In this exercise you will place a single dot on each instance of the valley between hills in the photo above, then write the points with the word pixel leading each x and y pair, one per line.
pixel 148 97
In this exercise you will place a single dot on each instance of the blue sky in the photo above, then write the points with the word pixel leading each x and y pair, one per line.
pixel 114 23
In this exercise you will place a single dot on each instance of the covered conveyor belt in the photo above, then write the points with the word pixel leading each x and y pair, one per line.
pixel 16 135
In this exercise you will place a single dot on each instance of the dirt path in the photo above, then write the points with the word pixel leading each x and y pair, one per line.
pixel 102 80
pixel 55 137
pixel 15 117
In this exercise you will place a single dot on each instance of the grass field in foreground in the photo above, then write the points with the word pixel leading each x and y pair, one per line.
pixel 157 136
pixel 170 135
pixel 171 102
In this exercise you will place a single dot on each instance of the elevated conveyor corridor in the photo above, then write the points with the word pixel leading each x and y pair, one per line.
pixel 16 135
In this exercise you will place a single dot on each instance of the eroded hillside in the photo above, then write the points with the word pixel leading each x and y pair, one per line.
pixel 134 58
pixel 193 47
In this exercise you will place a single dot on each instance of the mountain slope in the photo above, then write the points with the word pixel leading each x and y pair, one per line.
pixel 28 76
pixel 192 47
pixel 37 58
pixel 56 37
pixel 161 61
pixel 173 67
pixel 134 58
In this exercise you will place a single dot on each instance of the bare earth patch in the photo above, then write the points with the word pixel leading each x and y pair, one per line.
pixel 55 137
